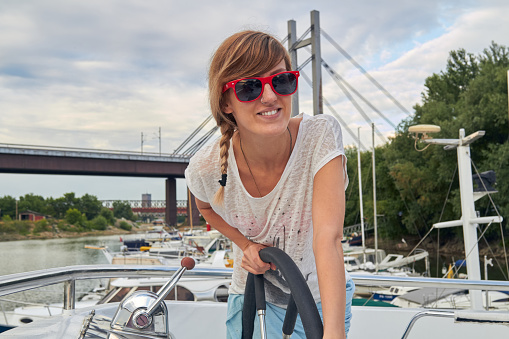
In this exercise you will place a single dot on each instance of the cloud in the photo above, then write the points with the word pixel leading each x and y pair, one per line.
pixel 97 74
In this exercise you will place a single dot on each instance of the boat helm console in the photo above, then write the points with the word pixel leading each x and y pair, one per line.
pixel 144 312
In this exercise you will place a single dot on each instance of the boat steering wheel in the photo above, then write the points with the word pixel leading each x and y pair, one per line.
pixel 301 300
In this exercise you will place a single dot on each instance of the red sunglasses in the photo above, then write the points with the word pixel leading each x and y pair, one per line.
pixel 250 89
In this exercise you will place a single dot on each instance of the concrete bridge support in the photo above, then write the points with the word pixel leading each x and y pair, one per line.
pixel 171 202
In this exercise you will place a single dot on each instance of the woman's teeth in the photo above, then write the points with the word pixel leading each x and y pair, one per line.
pixel 269 113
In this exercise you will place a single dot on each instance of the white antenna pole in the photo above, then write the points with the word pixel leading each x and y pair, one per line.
pixel 141 142
pixel 360 191
pixel 375 224
pixel 159 140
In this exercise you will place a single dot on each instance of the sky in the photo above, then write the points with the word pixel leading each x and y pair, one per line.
pixel 98 74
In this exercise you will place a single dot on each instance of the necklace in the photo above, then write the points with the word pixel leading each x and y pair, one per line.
pixel 247 163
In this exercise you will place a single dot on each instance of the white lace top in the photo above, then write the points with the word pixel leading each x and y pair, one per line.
pixel 282 218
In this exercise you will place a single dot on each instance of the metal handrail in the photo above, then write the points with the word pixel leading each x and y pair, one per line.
pixel 19 282
pixel 459 316
pixel 428 313
pixel 387 281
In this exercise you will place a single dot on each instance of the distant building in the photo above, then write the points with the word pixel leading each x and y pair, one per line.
pixel 31 216
pixel 146 200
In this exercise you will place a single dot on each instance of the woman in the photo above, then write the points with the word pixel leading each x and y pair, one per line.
pixel 282 183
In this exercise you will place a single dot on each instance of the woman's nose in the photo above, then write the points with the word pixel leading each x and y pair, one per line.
pixel 268 95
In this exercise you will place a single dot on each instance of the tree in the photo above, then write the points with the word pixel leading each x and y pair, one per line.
pixel 99 223
pixel 32 202
pixel 90 205
pixel 74 217
pixel 108 215
pixel 122 209
pixel 417 189
pixel 63 204
pixel 8 206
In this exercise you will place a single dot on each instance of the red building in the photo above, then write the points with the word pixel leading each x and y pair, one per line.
pixel 31 216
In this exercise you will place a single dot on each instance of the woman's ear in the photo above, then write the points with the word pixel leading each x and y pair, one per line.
pixel 227 108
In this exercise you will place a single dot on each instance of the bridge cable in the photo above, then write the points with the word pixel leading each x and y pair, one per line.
pixel 363 71
pixel 193 134
pixel 299 40
pixel 357 106
pixel 366 101
pixel 202 141
pixel 304 64
pixel 339 81
pixel 336 115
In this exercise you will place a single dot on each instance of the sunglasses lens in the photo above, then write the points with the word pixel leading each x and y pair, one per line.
pixel 248 90
pixel 285 83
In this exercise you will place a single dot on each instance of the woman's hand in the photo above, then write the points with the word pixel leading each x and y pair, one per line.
pixel 251 261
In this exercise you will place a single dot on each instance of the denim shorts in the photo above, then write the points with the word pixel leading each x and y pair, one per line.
pixel 275 316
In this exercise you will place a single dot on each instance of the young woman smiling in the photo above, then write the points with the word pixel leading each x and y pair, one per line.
pixel 281 183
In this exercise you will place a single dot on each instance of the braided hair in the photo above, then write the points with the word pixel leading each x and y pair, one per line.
pixel 243 54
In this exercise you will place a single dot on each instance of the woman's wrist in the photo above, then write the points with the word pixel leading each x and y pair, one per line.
pixel 244 246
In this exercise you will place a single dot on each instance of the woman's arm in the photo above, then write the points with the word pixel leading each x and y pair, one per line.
pixel 251 260
pixel 328 218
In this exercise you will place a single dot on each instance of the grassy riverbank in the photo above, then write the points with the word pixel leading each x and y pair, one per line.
pixel 27 230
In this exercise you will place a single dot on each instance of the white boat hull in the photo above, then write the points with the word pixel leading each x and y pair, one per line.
pixel 192 320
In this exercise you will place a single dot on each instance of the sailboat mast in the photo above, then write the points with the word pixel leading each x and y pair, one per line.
pixel 360 191
pixel 375 224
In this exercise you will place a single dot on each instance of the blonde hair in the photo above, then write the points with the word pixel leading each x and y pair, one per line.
pixel 244 54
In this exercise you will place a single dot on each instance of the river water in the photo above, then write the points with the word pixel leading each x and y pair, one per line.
pixel 32 255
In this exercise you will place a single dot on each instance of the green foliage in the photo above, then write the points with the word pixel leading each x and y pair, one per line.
pixel 63 204
pixel 31 202
pixel 89 205
pixel 413 187
pixel 7 227
pixel 122 209
pixel 6 218
pixel 63 226
pixel 74 217
pixel 8 206
pixel 21 227
pixel 107 214
pixel 99 223
pixel 125 225
pixel 41 226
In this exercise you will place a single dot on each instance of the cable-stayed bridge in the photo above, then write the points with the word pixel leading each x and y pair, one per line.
pixel 310 44
pixel 76 161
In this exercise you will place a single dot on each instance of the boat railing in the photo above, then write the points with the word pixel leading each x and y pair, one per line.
pixel 68 275
pixel 387 281
pixel 459 316
pixel 25 303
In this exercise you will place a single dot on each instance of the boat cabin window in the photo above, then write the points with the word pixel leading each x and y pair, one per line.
pixel 119 293
pixel 183 294
pixel 115 295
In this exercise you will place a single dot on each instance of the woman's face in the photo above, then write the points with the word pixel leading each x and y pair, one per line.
pixel 266 116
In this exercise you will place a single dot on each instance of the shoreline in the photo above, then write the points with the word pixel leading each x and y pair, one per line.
pixel 54 235
pixel 452 247
pixel 6 237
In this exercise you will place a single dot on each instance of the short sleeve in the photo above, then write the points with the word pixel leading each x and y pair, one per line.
pixel 194 181
pixel 329 144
